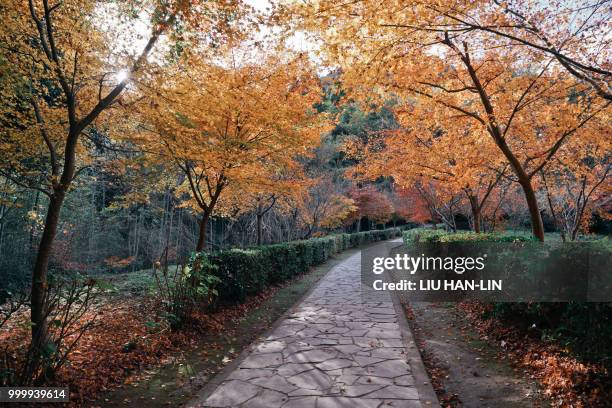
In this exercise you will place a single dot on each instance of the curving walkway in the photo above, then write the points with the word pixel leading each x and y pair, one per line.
pixel 338 348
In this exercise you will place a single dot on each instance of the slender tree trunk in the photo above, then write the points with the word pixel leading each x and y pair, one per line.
pixel 179 235
pixel 475 212
pixel 169 234
pixel 574 234
pixel 537 226
pixel 2 214
pixel 202 232
pixel 498 136
pixel 476 215
pixel 259 227
pixel 137 238
pixel 211 228
pixel 1 236
pixel 39 279
pixel 90 238
pixel 33 224
pixel 553 213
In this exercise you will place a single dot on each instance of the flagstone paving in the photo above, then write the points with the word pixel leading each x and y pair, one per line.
pixel 339 348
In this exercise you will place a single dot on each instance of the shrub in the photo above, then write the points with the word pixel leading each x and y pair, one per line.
pixel 346 241
pixel 244 272
pixel 241 273
pixel 585 328
pixel 186 288
pixel 281 261
pixel 318 250
pixel 421 235
pixel 430 235
pixel 72 298
pixel 304 254
pixel 482 237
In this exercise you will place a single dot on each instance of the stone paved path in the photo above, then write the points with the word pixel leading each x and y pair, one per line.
pixel 339 348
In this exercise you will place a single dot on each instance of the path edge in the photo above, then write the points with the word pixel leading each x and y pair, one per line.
pixel 422 382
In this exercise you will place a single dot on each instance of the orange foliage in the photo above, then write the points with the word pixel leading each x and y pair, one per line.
pixel 371 204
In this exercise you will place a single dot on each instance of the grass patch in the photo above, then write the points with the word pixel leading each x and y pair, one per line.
pixel 137 283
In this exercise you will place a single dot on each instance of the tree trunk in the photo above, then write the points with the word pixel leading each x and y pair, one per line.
pixel 498 136
pixel 202 233
pixel 2 215
pixel 537 226
pixel 38 312
pixel 33 224
pixel 1 236
pixel 475 212
pixel 575 230
pixel 476 215
pixel 259 222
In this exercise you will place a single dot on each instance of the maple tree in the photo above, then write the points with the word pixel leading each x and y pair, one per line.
pixel 457 168
pixel 403 209
pixel 573 34
pixel 523 107
pixel 443 204
pixel 527 141
pixel 60 80
pixel 371 204
pixel 278 188
pixel 575 181
pixel 417 208
pixel 323 205
pixel 228 125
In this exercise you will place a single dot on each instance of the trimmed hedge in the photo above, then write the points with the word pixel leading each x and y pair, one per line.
pixel 483 237
pixel 426 235
pixel 421 235
pixel 245 272
pixel 585 328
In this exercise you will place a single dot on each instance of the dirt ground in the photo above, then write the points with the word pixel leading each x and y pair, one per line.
pixel 467 371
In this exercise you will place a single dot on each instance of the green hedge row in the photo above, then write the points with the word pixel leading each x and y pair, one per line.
pixel 421 235
pixel 585 328
pixel 435 235
pixel 245 272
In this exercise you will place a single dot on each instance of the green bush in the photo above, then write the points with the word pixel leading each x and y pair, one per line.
pixel 319 250
pixel 184 289
pixel 304 255
pixel 585 328
pixel 281 261
pixel 346 241
pixel 435 235
pixel 421 235
pixel 482 237
pixel 241 272
pixel 244 272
